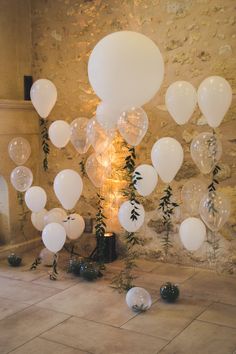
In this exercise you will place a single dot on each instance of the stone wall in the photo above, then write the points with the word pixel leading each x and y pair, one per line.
pixel 196 38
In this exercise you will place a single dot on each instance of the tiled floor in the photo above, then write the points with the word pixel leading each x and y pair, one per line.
pixel 72 316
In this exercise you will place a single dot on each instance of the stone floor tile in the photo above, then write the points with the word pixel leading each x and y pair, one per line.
pixel 165 320
pixel 20 273
pixel 64 281
pixel 98 338
pixel 9 307
pixel 203 338
pixel 25 325
pixel 221 314
pixel 174 272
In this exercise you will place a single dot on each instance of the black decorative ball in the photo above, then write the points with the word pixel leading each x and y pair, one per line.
pixel 169 292
pixel 14 260
pixel 89 271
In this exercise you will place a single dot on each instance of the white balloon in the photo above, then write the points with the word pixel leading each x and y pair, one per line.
pixel 138 299
pixel 167 157
pixel 59 133
pixel 37 219
pixel 74 226
pixel 126 69
pixel 35 198
pixel 43 94
pixel 181 101
pixel 192 233
pixel 68 187
pixel 214 99
pixel 57 215
pixel 126 211
pixel 54 237
pixel 107 115
pixel 146 179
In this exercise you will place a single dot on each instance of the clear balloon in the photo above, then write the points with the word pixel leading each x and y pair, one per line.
pixel 54 237
pixel 19 150
pixel 21 178
pixel 192 233
pixel 107 116
pixel 98 137
pixel 138 299
pixel 79 137
pixel 37 219
pixel 59 133
pixel 181 101
pixel 35 198
pixel 126 69
pixel 145 178
pixel 96 172
pixel 214 210
pixel 191 195
pixel 206 151
pixel 68 187
pixel 106 157
pixel 131 216
pixel 74 226
pixel 133 125
pixel 43 95
pixel 214 99
pixel 57 215
pixel 167 157
pixel 46 257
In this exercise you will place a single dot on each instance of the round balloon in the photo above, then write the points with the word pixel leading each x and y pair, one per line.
pixel 98 137
pixel 21 178
pixel 54 237
pixel 37 219
pixel 181 101
pixel 19 150
pixel 35 198
pixel 191 195
pixel 57 215
pixel 46 257
pixel 206 151
pixel 43 94
pixel 59 133
pixel 74 226
pixel 106 157
pixel 192 233
pixel 214 210
pixel 131 216
pixel 214 99
pixel 138 299
pixel 79 137
pixel 107 115
pixel 133 125
pixel 126 69
pixel 96 172
pixel 68 187
pixel 145 179
pixel 167 157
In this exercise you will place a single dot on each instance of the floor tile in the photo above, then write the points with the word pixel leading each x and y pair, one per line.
pixel 203 338
pixel 174 272
pixel 20 273
pixel 25 325
pixel 102 339
pixel 64 281
pixel 167 320
pixel 220 314
pixel 9 307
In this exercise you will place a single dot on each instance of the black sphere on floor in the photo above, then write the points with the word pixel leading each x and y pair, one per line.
pixel 169 292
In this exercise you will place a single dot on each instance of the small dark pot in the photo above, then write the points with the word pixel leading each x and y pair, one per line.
pixel 169 292
pixel 74 266
pixel 14 260
pixel 89 272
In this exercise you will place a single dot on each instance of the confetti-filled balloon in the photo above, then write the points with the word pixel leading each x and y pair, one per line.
pixel 21 178
pixel 19 150
pixel 138 299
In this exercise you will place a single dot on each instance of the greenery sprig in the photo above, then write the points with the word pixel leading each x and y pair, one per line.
pixel 54 273
pixel 45 141
pixel 100 229
pixel 35 263
pixel 23 213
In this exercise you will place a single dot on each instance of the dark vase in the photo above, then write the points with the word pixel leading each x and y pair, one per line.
pixel 169 292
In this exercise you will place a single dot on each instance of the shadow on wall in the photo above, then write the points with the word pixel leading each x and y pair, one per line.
pixel 4 211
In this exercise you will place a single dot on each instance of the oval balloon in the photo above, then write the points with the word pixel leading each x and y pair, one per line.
pixel 191 195
pixel 138 299
pixel 74 226
pixel 181 101
pixel 96 172
pixel 43 94
pixel 131 216
pixel 21 178
pixel 54 237
pixel 57 215
pixel 107 116
pixel 167 157
pixel 19 150
pixel 145 179
pixel 214 210
pixel 214 99
pixel 79 137
pixel 206 151
pixel 59 133
pixel 35 198
pixel 133 125
pixel 106 157
pixel 126 69
pixel 98 137
pixel 68 187
pixel 37 219
pixel 192 233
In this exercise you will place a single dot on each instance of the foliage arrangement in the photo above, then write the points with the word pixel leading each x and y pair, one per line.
pixel 35 263
pixel 45 142
pixel 82 167
pixel 100 229
pixel 54 273
pixel 23 213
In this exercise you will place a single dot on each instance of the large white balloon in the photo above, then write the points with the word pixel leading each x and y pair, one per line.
pixel 181 101
pixel 43 95
pixel 138 299
pixel 214 99
pixel 57 215
pixel 131 216
pixel 54 237
pixel 68 187
pixel 74 226
pixel 59 133
pixel 107 115
pixel 192 233
pixel 126 69
pixel 167 157
pixel 37 219
pixel 35 198
pixel 145 178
